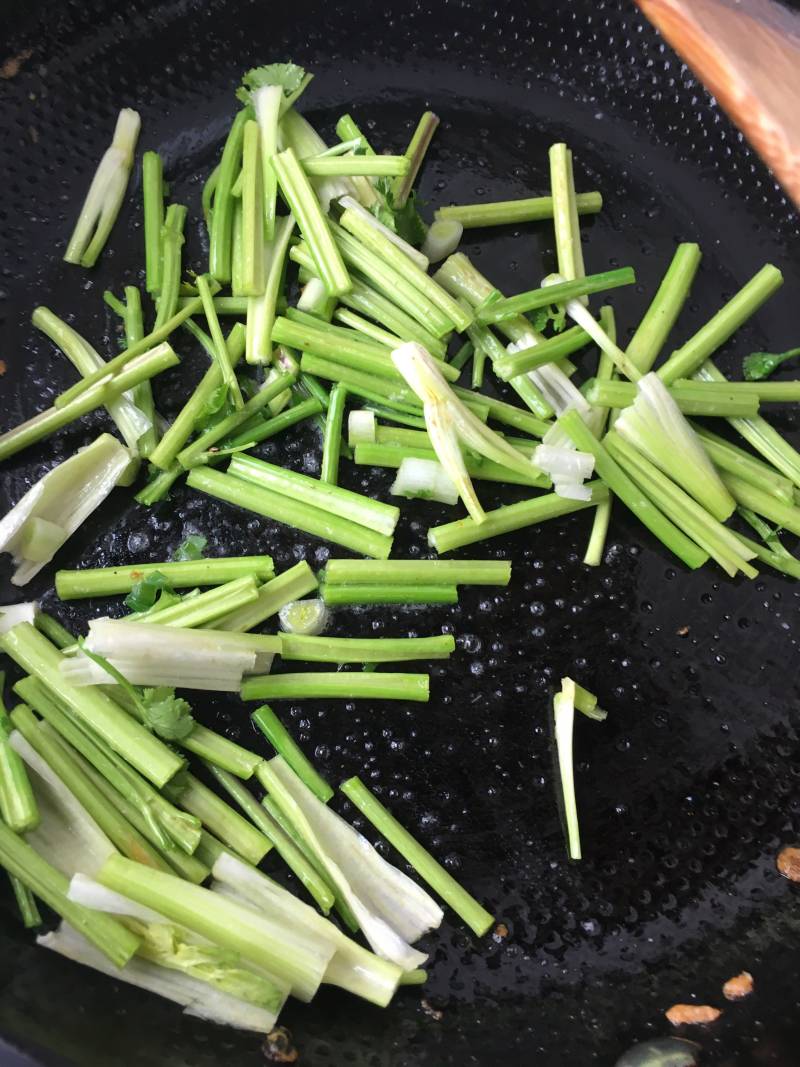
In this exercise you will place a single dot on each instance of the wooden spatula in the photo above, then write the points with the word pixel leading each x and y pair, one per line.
pixel 747 53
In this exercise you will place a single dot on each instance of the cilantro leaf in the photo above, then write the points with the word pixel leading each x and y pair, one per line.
pixel 289 76
pixel 191 548
pixel 168 716
pixel 217 407
pixel 147 590
pixel 405 221
pixel 759 365
pixel 554 315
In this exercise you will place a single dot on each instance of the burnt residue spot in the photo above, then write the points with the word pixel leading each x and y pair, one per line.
pixel 13 65
pixel 279 1046
pixel 3 367
pixel 683 631
pixel 500 932
pixel 788 863
pixel 433 1013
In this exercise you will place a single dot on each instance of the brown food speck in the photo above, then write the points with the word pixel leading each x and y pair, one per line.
pixel 741 985
pixel 788 863
pixel 279 1046
pixel 3 367
pixel 683 631
pixel 500 931
pixel 430 1010
pixel 12 66
pixel 692 1014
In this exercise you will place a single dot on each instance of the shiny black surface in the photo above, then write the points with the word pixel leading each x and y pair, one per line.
pixel 689 789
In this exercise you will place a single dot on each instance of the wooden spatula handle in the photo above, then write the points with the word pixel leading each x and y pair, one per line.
pixel 747 53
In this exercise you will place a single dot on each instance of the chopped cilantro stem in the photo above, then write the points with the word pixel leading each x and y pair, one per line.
pixel 369 329
pixel 170 282
pixel 332 438
pixel 186 574
pixel 399 262
pixel 189 456
pixel 606 371
pixel 133 321
pixel 304 205
pixel 53 630
pixel 552 350
pixel 506 519
pixel 628 492
pixel 511 212
pixel 563 723
pixel 252 200
pixel 690 356
pixel 146 366
pixel 375 593
pixel 565 215
pixel 652 332
pixel 207 199
pixel 731 458
pixel 317 887
pixel 415 154
pixel 347 130
pixel 203 609
pixel 369 302
pixel 223 305
pixel 763 503
pixel 365 649
pixel 220 351
pixel 286 587
pixel 59 757
pixel 759 433
pixel 324 166
pixel 34 653
pixel 372 514
pixel 347 685
pixel 722 400
pixel 289 510
pixel 51 886
pixel 430 870
pixel 497 310
pixel 261 309
pixel 153 201
pixel 227 825
pixel 18 806
pixel 159 485
pixel 182 427
pixel 278 423
pixel 118 363
pixel 221 235
pixel 473 572
pixel 392 455
pixel 380 390
pixel 284 744
pixel 106 193
pixel 26 903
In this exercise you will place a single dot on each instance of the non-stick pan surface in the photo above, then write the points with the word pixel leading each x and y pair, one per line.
pixel 690 787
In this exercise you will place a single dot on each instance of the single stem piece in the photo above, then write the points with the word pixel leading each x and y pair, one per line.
pixel 388 455
pixel 221 354
pixel 253 216
pixel 53 630
pixel 377 306
pixel 628 492
pixel 512 212
pixel 203 609
pixel 606 370
pixel 731 458
pixel 645 346
pixel 417 572
pixel 304 205
pixel 221 236
pixel 498 310
pixel 374 593
pixel 153 201
pixel 552 350
pixel 690 357
pixel 723 400
pixel 565 214
pixel 365 649
pixel 223 305
pixel 106 193
pixel 369 329
pixel 171 245
pixel 277 424
pixel 133 320
pixel 18 806
pixel 430 870
pixel 289 510
pixel 261 309
pixel 109 581
pixel 324 166
pixel 348 685
pixel 26 903
pixel 511 517
pixel 415 154
pixel 332 439
pixel 763 503
pixel 284 744
pixel 220 818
